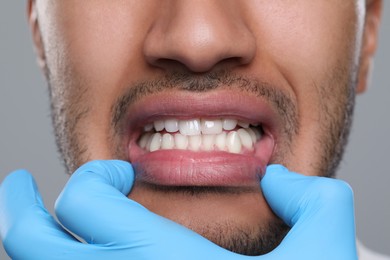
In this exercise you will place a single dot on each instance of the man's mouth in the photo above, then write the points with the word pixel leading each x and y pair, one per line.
pixel 199 134
pixel 187 139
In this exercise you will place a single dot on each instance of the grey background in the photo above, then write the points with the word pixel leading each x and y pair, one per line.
pixel 26 138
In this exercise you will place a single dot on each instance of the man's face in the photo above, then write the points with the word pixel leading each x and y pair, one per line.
pixel 200 96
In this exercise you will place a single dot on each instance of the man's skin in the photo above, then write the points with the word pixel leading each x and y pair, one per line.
pixel 293 67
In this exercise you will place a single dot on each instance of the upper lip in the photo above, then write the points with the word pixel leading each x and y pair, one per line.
pixel 187 105
pixel 216 104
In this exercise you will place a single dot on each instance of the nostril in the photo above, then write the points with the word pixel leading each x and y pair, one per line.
pixel 198 37
pixel 231 62
pixel 168 64
pixel 200 66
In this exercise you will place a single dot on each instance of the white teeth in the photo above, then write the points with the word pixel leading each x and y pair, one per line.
pixel 200 135
pixel 144 140
pixel 220 141
pixel 181 141
pixel 195 141
pixel 208 142
pixel 155 143
pixel 246 139
pixel 159 125
pixel 167 142
pixel 196 126
pixel 211 127
pixel 189 127
pixel 171 125
pixel 233 142
pixel 229 124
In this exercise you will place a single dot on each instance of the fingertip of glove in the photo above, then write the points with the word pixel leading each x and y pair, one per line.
pixel 117 173
pixel 18 174
pixel 273 171
pixel 18 177
pixel 19 190
pixel 275 177
pixel 275 168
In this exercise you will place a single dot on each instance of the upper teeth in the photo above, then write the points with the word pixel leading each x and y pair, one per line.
pixel 200 134
pixel 195 126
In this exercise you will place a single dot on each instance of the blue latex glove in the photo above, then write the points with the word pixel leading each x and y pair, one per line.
pixel 94 206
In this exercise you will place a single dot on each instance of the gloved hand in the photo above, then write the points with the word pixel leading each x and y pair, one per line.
pixel 94 206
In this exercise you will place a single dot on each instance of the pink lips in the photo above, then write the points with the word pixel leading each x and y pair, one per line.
pixel 188 168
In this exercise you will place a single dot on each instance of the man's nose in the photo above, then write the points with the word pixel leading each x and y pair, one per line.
pixel 199 35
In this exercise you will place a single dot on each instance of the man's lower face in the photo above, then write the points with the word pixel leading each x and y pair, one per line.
pixel 199 147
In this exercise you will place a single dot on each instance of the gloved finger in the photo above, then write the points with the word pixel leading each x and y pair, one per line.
pixel 94 204
pixel 319 210
pixel 28 231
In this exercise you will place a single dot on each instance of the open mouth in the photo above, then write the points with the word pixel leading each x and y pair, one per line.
pixel 182 139
pixel 228 135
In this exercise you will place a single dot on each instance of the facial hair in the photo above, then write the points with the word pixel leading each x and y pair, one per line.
pixel 68 109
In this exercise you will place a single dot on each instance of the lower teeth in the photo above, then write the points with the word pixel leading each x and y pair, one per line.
pixel 232 141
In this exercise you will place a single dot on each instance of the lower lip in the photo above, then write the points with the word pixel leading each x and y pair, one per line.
pixel 188 168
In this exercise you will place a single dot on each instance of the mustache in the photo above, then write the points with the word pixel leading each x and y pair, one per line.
pixel 201 83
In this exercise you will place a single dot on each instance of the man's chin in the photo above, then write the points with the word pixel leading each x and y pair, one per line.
pixel 236 219
pixel 244 239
